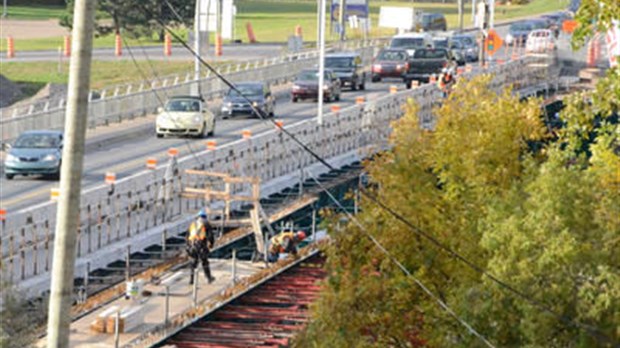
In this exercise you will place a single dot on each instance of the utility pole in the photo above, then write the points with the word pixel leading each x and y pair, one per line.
pixel 321 60
pixel 67 218
pixel 461 5
pixel 342 18
pixel 482 21
pixel 4 9
pixel 197 18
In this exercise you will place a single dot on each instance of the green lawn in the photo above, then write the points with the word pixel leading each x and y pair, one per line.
pixel 274 21
pixel 34 75
pixel 34 12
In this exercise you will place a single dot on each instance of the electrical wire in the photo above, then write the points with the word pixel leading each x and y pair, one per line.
pixel 402 267
pixel 594 332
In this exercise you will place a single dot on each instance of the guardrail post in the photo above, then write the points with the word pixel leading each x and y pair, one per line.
pixel 117 320
pixel 195 288
pixel 128 263
pixel 234 266
pixel 167 306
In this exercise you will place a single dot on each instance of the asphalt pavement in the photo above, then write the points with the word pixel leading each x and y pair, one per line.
pixel 127 154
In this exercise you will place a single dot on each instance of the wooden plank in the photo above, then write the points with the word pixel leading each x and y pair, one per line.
pixel 242 180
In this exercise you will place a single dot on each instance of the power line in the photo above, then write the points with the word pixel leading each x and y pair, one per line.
pixel 404 269
pixel 595 332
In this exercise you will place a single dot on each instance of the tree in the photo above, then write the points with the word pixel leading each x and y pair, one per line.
pixel 594 16
pixel 545 221
pixel 137 17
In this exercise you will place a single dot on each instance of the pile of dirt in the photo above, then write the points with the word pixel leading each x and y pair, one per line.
pixel 9 93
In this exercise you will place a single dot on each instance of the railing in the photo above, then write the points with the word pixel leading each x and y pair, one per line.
pixel 124 102
pixel 111 218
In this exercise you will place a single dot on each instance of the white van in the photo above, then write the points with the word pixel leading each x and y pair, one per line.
pixel 411 41
pixel 540 41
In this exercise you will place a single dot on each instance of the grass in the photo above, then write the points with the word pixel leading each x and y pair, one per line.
pixel 42 12
pixel 275 21
pixel 34 75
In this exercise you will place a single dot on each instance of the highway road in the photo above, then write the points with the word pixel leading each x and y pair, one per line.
pixel 129 155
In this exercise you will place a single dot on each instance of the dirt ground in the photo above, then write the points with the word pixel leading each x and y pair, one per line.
pixel 23 29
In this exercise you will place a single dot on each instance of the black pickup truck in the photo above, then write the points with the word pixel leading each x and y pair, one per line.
pixel 426 62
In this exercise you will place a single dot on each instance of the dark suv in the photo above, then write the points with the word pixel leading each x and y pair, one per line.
pixel 238 103
pixel 349 69
pixel 433 22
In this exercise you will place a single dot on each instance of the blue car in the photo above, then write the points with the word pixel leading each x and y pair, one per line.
pixel 35 152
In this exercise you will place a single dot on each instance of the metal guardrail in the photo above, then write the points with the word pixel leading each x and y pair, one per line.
pixel 126 102
pixel 112 219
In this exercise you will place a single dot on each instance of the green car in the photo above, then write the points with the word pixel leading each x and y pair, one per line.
pixel 35 152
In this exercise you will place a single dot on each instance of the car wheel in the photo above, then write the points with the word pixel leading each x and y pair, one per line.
pixel 294 99
pixel 159 135
pixel 353 85
pixel 337 97
pixel 376 79
pixel 408 84
pixel 362 85
pixel 9 176
pixel 212 132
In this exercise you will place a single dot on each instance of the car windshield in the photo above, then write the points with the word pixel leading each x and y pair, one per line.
pixel 466 40
pixel 441 43
pixel 37 141
pixel 182 105
pixel 520 27
pixel 338 62
pixel 311 76
pixel 429 54
pixel 392 55
pixel 247 90
pixel 407 42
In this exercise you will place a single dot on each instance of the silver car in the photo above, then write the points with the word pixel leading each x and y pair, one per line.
pixel 35 152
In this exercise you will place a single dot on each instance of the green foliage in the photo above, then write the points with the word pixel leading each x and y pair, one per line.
pixel 594 16
pixel 544 222
pixel 136 17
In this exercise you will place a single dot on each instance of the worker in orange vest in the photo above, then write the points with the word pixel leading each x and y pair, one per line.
pixel 445 81
pixel 200 240
pixel 285 242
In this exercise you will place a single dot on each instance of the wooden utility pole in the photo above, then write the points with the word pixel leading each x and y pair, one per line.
pixel 342 18
pixel 461 4
pixel 67 218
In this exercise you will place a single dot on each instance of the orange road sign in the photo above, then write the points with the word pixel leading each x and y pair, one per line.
pixel 493 42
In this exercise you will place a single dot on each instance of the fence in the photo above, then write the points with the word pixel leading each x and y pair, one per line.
pixel 129 101
pixel 110 217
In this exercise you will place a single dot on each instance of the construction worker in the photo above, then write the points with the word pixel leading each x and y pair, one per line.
pixel 445 81
pixel 285 242
pixel 200 240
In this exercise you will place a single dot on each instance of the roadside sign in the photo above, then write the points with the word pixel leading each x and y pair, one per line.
pixel 493 42
pixel 569 26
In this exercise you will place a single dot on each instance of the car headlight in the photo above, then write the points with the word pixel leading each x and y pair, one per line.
pixel 325 87
pixel 11 158
pixel 255 104
pixel 509 37
pixel 162 118
pixel 197 119
pixel 50 158
pixel 376 67
pixel 295 87
pixel 229 104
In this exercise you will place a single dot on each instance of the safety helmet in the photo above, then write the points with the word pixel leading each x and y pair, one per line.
pixel 301 235
pixel 202 213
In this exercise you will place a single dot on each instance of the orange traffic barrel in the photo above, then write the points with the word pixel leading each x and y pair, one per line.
pixel 10 47
pixel 2 214
pixel 151 163
pixel 110 178
pixel 360 100
pixel 335 108
pixel 167 45
pixel 118 47
pixel 211 144
pixel 393 89
pixel 54 194
pixel 246 133
pixel 173 152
